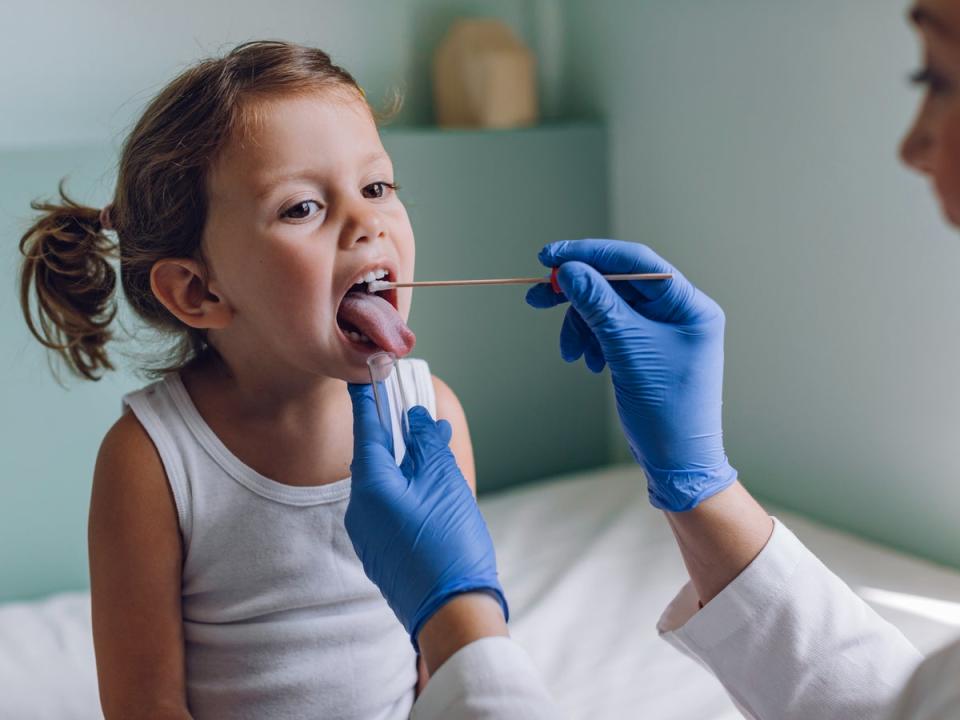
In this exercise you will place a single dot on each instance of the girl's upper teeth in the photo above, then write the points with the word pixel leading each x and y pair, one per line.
pixel 377 274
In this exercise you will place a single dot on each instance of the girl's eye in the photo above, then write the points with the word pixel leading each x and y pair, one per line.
pixel 935 83
pixel 378 189
pixel 301 210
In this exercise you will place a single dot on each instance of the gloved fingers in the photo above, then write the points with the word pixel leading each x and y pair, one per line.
pixel 607 256
pixel 672 301
pixel 427 435
pixel 444 431
pixel 594 299
pixel 610 257
pixel 543 296
pixel 369 459
pixel 593 356
pixel 574 335
pixel 408 466
pixel 617 256
pixel 426 439
pixel 366 421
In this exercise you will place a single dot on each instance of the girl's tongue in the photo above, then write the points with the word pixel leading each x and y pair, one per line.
pixel 376 318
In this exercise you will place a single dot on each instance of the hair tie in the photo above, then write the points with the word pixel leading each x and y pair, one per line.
pixel 106 222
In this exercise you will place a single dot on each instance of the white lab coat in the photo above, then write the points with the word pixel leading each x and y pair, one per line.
pixel 787 638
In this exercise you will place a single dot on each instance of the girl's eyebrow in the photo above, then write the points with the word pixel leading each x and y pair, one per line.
pixel 266 186
pixel 376 156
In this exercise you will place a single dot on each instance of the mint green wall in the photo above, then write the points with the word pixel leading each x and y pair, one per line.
pixel 68 95
pixel 481 204
pixel 753 142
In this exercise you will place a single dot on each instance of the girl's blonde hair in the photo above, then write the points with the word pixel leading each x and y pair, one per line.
pixel 159 206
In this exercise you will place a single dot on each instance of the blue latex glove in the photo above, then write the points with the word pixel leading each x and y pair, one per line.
pixel 663 341
pixel 416 528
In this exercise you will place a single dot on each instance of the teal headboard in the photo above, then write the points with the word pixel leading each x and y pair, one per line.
pixel 481 203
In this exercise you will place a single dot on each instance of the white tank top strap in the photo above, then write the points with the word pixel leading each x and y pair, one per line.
pixel 156 410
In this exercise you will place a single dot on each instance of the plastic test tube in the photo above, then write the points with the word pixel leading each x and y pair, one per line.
pixel 382 365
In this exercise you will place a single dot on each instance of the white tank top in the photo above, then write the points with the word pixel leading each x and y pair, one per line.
pixel 279 619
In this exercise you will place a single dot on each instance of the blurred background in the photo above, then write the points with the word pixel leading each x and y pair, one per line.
pixel 751 142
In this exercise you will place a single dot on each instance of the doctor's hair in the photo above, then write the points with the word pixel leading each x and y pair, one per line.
pixel 159 207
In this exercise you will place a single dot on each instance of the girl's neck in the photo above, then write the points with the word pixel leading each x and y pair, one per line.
pixel 294 433
pixel 252 392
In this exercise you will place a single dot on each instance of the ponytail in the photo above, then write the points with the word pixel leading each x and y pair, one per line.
pixel 67 260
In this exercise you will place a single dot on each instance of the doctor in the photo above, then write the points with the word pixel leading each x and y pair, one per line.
pixel 786 637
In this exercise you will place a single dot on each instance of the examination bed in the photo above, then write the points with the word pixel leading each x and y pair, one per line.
pixel 587 565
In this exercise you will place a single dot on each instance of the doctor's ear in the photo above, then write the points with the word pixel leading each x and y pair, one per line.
pixel 182 286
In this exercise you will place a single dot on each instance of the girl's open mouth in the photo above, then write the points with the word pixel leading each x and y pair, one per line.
pixel 370 321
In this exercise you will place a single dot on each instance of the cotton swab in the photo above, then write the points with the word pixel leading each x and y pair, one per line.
pixel 378 285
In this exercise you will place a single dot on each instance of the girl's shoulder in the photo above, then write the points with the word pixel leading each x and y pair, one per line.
pixel 129 470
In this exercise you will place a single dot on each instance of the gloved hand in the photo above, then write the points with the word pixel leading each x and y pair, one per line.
pixel 416 528
pixel 663 341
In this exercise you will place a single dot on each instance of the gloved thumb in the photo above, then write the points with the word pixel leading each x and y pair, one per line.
pixel 592 296
pixel 366 422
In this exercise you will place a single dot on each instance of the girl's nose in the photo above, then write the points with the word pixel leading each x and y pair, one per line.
pixel 362 224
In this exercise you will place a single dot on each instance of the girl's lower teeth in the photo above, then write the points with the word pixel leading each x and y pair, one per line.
pixel 357 337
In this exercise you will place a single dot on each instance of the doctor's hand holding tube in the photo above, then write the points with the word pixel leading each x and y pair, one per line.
pixel 420 536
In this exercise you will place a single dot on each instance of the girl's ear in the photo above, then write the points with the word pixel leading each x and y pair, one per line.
pixel 179 283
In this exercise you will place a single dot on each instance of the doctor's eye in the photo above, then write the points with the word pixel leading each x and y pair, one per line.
pixel 379 189
pixel 301 210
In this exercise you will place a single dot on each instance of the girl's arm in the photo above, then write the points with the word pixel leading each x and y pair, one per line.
pixel 450 409
pixel 135 579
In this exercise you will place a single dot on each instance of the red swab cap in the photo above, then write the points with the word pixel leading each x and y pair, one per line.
pixel 553 281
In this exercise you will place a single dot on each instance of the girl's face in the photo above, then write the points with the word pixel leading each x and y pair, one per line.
pixel 932 146
pixel 300 209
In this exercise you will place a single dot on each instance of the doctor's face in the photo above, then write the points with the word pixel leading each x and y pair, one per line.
pixel 932 146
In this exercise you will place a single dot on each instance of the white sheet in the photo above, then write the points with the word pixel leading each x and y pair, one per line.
pixel 47 667
pixel 587 566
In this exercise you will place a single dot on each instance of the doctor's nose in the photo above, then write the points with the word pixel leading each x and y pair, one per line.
pixel 362 223
pixel 916 148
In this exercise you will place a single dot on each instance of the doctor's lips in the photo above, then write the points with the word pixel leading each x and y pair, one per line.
pixel 370 320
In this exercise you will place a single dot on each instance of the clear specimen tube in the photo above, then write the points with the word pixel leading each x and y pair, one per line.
pixel 388 388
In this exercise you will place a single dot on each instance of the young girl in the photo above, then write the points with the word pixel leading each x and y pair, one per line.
pixel 254 200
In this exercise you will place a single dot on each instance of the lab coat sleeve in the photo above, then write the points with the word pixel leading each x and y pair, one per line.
pixel 933 692
pixel 789 640
pixel 489 679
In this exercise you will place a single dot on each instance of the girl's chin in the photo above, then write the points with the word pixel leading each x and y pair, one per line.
pixel 356 375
